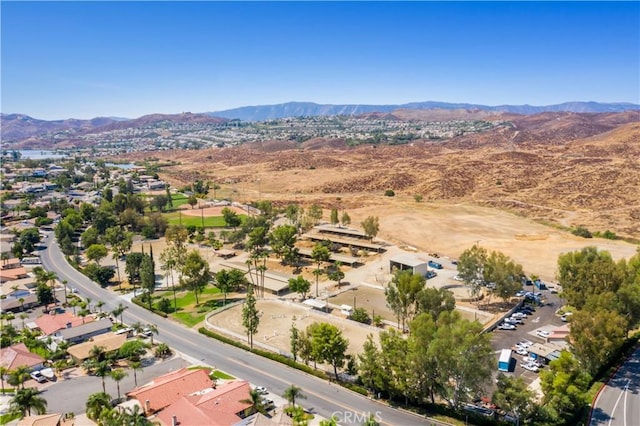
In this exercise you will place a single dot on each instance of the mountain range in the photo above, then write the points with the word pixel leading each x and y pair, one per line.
pixel 298 109
pixel 15 127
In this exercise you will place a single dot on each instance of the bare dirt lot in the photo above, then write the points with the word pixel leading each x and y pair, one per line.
pixel 277 317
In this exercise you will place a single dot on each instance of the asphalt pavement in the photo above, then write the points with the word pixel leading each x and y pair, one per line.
pixel 323 398
pixel 618 403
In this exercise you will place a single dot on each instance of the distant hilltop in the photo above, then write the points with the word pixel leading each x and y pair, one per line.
pixel 310 109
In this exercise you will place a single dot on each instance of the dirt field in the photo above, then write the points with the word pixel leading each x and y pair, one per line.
pixel 277 317
pixel 208 211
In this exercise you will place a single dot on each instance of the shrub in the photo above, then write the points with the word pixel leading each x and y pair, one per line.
pixel 418 198
pixel 582 231
pixel 361 315
pixel 389 193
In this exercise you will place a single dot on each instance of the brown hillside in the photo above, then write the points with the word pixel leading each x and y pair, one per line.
pixel 565 168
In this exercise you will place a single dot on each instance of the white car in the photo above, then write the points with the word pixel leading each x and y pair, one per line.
pixel 565 317
pixel 38 376
pixel 506 326
pixel 543 333
pixel 458 278
pixel 530 360
pixel 521 293
pixel 530 367
pixel 521 351
pixel 518 315
pixel 261 390
pixel 513 320
pixel 525 343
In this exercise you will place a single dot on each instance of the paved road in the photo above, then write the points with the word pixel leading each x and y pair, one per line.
pixel 322 397
pixel 618 404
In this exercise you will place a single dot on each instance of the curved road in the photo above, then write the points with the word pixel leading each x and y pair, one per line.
pixel 322 397
pixel 618 403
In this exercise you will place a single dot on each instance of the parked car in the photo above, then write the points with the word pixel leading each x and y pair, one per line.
pixel 458 278
pixel 38 376
pixel 261 390
pixel 521 293
pixel 520 315
pixel 530 366
pixel 543 333
pixel 430 274
pixel 513 320
pixel 434 265
pixel 506 326
pixel 526 343
pixel 531 360
pixel 521 351
pixel 566 316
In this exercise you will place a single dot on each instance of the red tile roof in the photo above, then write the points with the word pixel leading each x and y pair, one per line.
pixel 167 389
pixel 215 407
pixel 11 274
pixel 50 323
pixel 16 355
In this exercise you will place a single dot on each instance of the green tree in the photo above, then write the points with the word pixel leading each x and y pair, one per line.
pixel 596 337
pixel 334 217
pixel 27 400
pixel 231 218
pixel 195 273
pixel 96 403
pixel 294 335
pixel 250 318
pixel 514 396
pixel 135 367
pixel 434 301
pixel 319 254
pixel 587 272
pixel 19 375
pixel 90 237
pixel 564 384
pixel 393 350
pixel 314 213
pixel 328 345
pixel 505 273
pixel 160 202
pixel 401 295
pixel 464 356
pixel 371 226
pixel 45 295
pixel 147 279
pixel 470 268
pixel 299 285
pixel 96 252
pixel 283 240
pixel 192 200
pixel 336 274
pixel 228 281
pixel 426 377
pixel 292 393
pixel 119 310
pixel 255 399
pixel 371 371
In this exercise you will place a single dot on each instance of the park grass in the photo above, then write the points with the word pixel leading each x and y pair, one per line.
pixel 222 376
pixel 191 314
pixel 175 218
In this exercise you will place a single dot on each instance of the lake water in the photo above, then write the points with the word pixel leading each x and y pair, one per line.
pixel 36 154
pixel 125 166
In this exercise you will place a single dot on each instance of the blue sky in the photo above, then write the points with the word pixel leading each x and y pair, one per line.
pixel 88 59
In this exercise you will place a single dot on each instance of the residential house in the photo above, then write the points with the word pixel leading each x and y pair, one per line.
pixel 53 322
pixel 169 388
pixel 225 405
pixel 54 419
pixel 12 273
pixel 84 332
pixel 17 302
pixel 109 341
pixel 18 355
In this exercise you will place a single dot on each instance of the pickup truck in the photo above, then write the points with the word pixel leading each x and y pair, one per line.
pixel 434 264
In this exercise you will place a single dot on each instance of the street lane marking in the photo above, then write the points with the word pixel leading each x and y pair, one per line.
pixel 613 412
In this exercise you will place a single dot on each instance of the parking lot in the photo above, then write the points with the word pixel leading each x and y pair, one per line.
pixel 543 318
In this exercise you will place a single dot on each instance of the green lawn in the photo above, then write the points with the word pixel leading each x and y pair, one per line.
pixel 178 200
pixel 220 375
pixel 175 218
pixel 190 314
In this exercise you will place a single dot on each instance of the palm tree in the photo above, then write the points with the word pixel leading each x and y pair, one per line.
pixel 117 376
pixel 153 329
pixel 96 403
pixel 102 370
pixel 23 317
pixel 255 399
pixel 18 376
pixel 119 310
pixel 99 305
pixel 293 392
pixel 135 366
pixel 64 284
pixel 98 353
pixel 26 400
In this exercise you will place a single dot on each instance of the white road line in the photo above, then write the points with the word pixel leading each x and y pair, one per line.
pixel 625 401
pixel 624 391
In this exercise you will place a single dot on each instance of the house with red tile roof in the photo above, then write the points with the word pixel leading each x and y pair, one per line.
pixel 53 322
pixel 14 356
pixel 169 388
pixel 12 274
pixel 225 405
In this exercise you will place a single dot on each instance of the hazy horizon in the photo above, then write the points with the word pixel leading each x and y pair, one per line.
pixel 119 59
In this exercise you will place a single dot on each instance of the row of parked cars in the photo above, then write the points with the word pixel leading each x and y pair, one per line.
pixel 516 318
pixel 528 362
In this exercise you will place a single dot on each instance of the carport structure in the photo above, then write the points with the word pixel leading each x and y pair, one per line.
pixel 408 262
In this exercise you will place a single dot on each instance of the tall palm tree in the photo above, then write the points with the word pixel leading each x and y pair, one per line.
pixel 96 403
pixel 98 353
pixel 64 285
pixel 26 400
pixel 292 393
pixel 135 366
pixel 102 370
pixel 153 329
pixel 119 310
pixel 99 305
pixel 117 376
